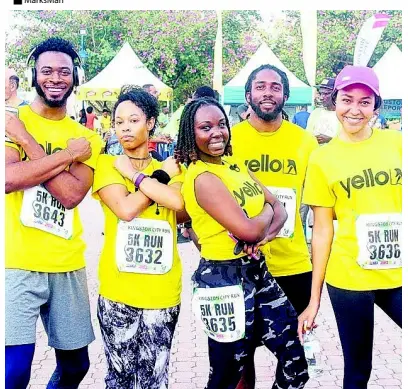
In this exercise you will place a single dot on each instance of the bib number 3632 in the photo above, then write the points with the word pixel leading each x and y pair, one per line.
pixel 379 240
pixel 287 196
pixel 144 246
pixel 221 312
pixel 43 211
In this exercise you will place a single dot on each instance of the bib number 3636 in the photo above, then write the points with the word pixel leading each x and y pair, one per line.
pixel 221 312
pixel 379 240
pixel 43 211
pixel 144 246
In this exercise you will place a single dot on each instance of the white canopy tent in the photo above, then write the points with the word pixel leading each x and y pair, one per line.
pixel 124 69
pixel 390 73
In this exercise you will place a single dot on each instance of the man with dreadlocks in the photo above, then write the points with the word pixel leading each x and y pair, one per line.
pixel 49 169
pixel 233 214
pixel 277 152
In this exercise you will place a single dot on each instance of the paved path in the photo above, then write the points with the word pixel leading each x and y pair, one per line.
pixel 189 364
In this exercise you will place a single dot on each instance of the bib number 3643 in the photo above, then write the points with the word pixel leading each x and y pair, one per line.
pixel 379 240
pixel 221 312
pixel 144 246
pixel 43 211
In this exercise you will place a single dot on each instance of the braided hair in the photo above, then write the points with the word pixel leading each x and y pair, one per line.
pixel 186 150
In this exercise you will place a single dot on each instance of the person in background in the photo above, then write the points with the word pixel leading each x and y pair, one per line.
pixel 82 117
pixel 378 120
pixel 204 91
pixel 105 121
pixel 358 177
pixel 150 88
pixel 301 117
pixel 12 83
pixel 322 122
pixel 243 112
pixel 90 118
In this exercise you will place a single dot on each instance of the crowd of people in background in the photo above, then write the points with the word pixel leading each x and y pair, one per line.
pixel 241 193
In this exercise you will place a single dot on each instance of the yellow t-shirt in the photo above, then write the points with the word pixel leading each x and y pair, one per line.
pixel 150 291
pixel 279 160
pixel 212 236
pixel 356 179
pixel 105 123
pixel 29 248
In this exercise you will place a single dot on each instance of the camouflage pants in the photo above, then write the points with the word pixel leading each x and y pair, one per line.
pixel 137 344
pixel 270 320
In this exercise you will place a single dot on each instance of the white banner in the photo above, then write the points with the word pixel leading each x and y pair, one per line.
pixel 368 38
pixel 308 21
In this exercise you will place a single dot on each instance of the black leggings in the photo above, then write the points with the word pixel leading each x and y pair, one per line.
pixel 354 312
pixel 72 366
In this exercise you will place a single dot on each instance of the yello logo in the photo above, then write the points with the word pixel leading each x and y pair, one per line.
pixel 250 190
pixel 265 164
pixel 48 150
pixel 369 179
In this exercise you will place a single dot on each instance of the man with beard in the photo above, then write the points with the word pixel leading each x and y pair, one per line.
pixel 276 152
pixel 50 160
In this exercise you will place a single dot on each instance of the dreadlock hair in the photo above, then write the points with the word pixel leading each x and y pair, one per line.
pixel 282 74
pixel 55 44
pixel 142 99
pixel 186 150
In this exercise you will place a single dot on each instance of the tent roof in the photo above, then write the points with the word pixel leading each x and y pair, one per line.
pixel 125 68
pixel 389 72
pixel 264 55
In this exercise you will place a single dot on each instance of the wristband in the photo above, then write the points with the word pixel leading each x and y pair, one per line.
pixel 70 153
pixel 161 176
pixel 139 179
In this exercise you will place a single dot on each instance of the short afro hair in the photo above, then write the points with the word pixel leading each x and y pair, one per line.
pixel 282 74
pixel 56 44
pixel 142 99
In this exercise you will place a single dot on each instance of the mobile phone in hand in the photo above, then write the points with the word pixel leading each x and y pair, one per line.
pixel 240 245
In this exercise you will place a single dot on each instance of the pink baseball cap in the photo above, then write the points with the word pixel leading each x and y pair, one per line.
pixel 357 75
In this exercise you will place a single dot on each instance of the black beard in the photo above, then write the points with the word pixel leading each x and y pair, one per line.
pixel 267 117
pixel 53 103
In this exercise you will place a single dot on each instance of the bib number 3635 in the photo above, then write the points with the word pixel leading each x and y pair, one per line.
pixel 221 312
pixel 43 211
pixel 144 246
pixel 379 240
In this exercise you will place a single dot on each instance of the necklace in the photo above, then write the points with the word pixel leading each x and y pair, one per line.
pixel 140 159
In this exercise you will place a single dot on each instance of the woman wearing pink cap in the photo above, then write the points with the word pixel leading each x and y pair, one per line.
pixel 358 178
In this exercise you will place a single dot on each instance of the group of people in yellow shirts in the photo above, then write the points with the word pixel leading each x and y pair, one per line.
pixel 241 188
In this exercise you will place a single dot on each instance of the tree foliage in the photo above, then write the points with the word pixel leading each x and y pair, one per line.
pixel 178 46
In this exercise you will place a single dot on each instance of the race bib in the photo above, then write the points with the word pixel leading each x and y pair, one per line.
pixel 379 241
pixel 221 312
pixel 144 246
pixel 287 196
pixel 43 211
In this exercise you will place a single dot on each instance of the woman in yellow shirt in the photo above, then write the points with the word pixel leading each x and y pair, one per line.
pixel 357 177
pixel 139 270
pixel 236 300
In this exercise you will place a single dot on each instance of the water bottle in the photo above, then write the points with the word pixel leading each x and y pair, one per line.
pixel 311 346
